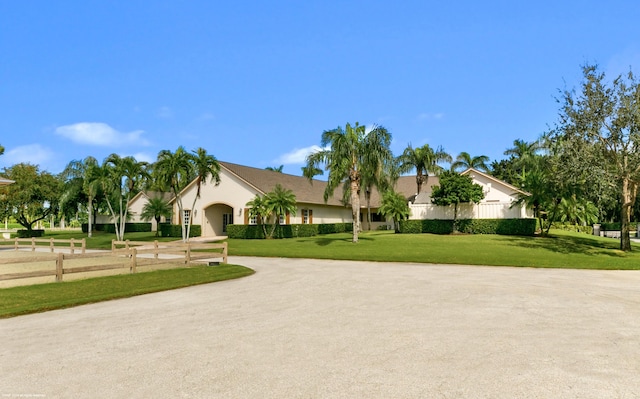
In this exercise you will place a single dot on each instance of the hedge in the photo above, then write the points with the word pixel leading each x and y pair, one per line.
pixel 616 226
pixel 111 228
pixel 29 233
pixel 253 231
pixel 524 227
pixel 175 230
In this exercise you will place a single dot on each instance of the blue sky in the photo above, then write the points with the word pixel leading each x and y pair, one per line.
pixel 257 82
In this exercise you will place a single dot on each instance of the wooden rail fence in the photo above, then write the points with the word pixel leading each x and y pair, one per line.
pixel 132 253
pixel 34 243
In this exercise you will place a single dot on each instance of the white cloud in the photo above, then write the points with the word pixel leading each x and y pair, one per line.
pixel 34 154
pixel 298 155
pixel 207 116
pixel 431 116
pixel 623 62
pixel 164 113
pixel 100 134
pixel 144 157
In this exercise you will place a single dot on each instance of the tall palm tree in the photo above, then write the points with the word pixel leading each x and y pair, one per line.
pixel 206 167
pixel 77 176
pixel 175 170
pixel 424 160
pixel 348 152
pixel 465 161
pixel 156 208
pixel 124 178
pixel 524 153
pixel 279 202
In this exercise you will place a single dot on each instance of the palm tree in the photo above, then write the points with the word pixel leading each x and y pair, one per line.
pixel 123 178
pixel 174 170
pixel 524 153
pixel 537 195
pixel 465 161
pixel 279 202
pixel 275 168
pixel 206 167
pixel 424 160
pixel 258 209
pixel 156 208
pixel 394 206
pixel 78 186
pixel 348 152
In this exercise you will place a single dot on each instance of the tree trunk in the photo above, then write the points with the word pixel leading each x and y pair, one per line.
pixel 368 195
pixel 89 224
pixel 419 180
pixel 628 198
pixel 355 207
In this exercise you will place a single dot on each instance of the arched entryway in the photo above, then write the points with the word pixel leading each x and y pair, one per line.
pixel 216 219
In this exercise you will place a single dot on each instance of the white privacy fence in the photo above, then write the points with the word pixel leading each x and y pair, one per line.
pixel 485 210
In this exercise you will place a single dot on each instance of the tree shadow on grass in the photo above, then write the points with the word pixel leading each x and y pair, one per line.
pixel 324 241
pixel 571 245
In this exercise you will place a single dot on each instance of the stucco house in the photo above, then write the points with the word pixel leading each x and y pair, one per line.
pixel 224 204
pixel 137 203
pixel 498 201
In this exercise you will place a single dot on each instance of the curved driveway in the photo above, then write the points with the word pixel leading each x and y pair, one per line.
pixel 335 329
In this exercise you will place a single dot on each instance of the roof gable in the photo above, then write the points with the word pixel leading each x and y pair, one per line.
pixel 264 181
pixel 474 172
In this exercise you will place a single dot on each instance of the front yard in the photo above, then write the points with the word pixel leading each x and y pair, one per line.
pixel 560 250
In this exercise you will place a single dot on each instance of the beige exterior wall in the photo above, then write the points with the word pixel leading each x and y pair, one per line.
pixel 229 197
pixel 323 214
pixel 226 201
pixel 469 211
pixel 135 210
pixel 497 204
pixel 494 192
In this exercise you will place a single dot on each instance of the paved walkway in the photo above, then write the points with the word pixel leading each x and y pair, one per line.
pixel 333 329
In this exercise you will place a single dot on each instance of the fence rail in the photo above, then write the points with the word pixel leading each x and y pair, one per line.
pixel 34 243
pixel 131 253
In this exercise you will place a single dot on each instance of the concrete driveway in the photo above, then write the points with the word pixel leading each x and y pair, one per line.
pixel 334 329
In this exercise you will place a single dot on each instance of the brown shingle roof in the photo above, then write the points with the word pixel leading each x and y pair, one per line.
pixel 265 181
pixel 313 193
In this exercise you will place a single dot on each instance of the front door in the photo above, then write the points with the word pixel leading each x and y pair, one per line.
pixel 227 218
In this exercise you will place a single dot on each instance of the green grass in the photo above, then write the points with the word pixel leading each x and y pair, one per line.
pixel 43 297
pixel 560 250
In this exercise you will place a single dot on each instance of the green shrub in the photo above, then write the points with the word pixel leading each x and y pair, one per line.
pixel 286 231
pixel 615 226
pixel 29 233
pixel 111 228
pixel 330 228
pixel 470 226
pixel 175 230
pixel 513 227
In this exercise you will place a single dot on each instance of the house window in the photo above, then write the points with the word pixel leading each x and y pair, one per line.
pixel 282 219
pixel 186 216
pixel 307 216
pixel 253 219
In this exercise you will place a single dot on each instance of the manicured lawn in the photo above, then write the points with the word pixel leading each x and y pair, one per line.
pixel 560 250
pixel 39 298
